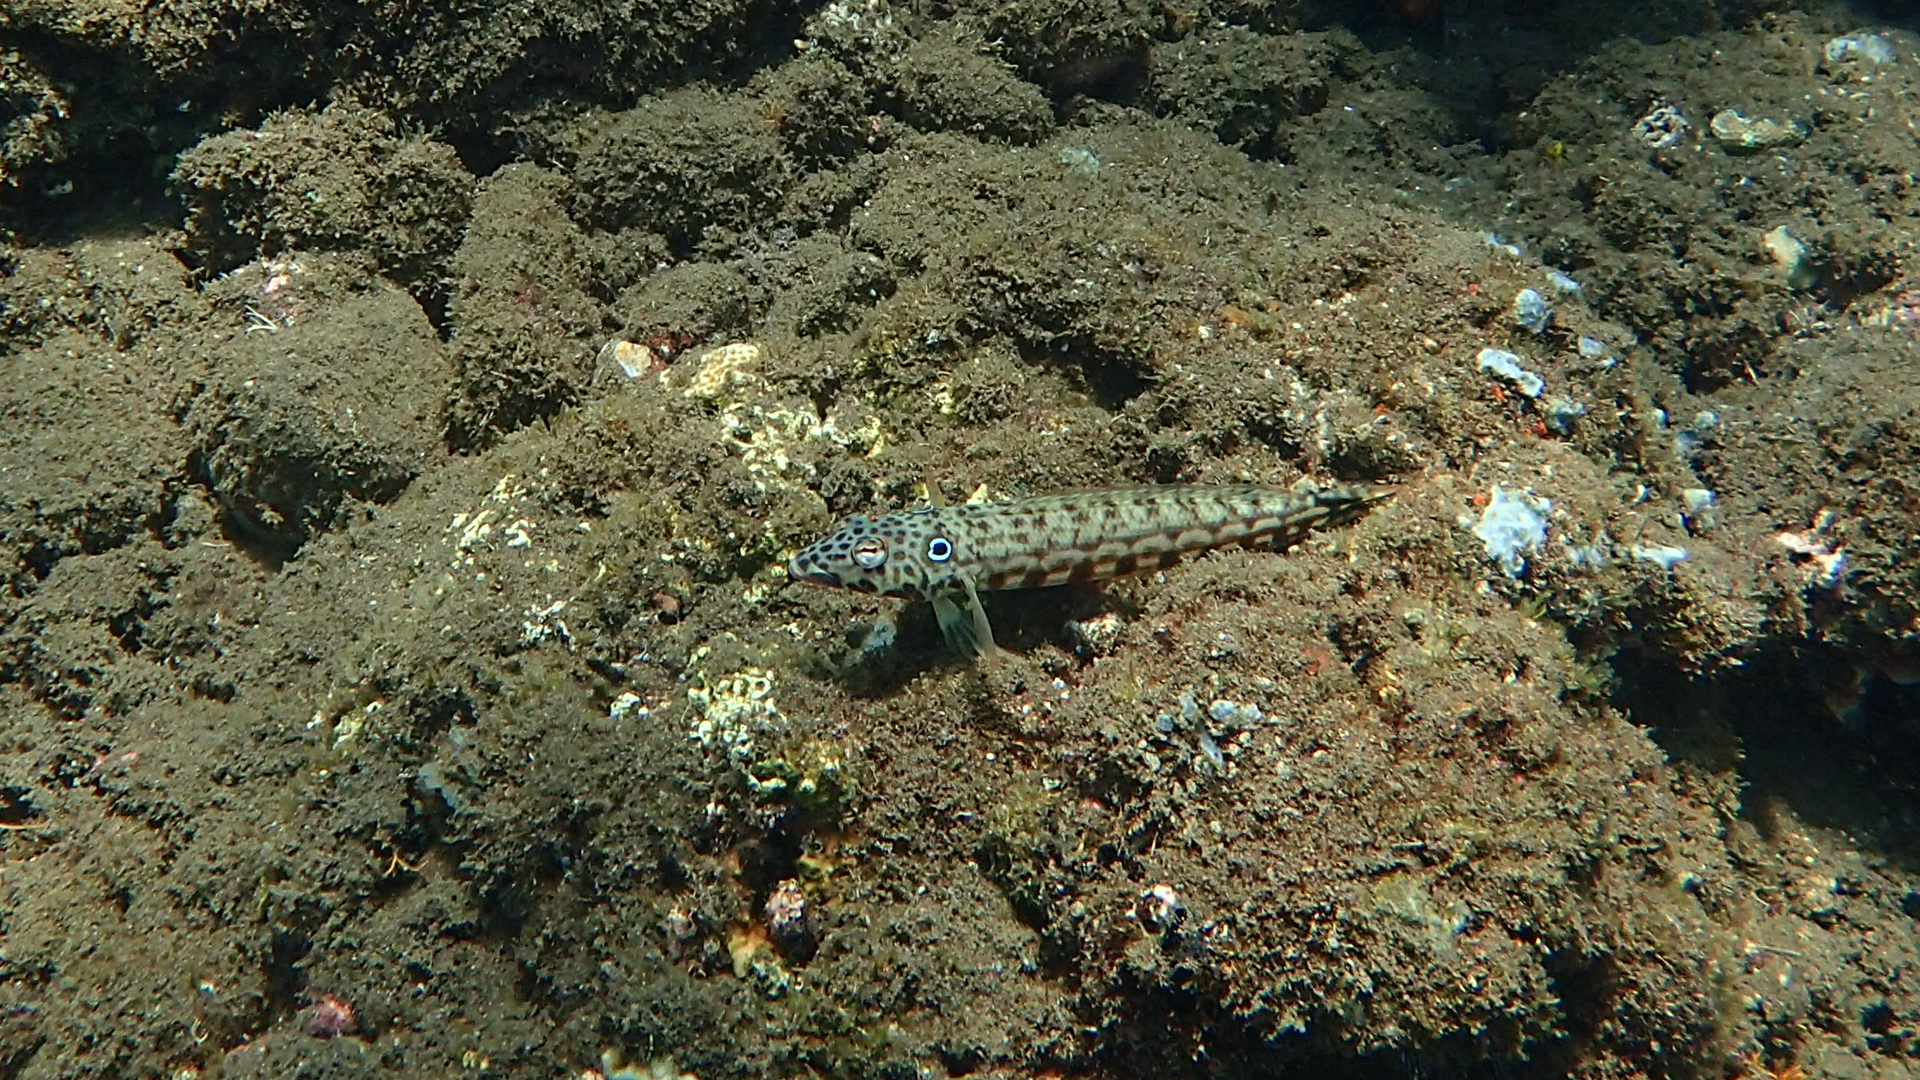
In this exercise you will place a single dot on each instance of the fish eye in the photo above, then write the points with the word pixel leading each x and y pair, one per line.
pixel 870 553
pixel 939 549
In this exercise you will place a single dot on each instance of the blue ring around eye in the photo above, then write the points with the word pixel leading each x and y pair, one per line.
pixel 939 549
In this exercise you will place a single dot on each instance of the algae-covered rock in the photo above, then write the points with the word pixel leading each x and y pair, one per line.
pixel 680 164
pixel 89 456
pixel 523 317
pixel 343 178
pixel 1250 89
pixel 1739 134
pixel 321 388
pixel 946 84
pixel 32 109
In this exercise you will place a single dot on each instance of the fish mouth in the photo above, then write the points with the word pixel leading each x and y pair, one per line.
pixel 799 570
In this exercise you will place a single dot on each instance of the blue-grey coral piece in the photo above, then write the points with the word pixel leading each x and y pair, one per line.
pixel 1506 365
pixel 1562 413
pixel 1234 713
pixel 1532 312
pixel 1512 526
pixel 1873 48
pixel 1665 556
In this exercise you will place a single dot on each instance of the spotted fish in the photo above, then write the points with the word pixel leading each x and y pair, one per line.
pixel 949 554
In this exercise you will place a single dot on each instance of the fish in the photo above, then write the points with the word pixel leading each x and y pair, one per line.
pixel 949 555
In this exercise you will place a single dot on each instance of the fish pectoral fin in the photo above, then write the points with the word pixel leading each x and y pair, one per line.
pixel 955 626
pixel 963 621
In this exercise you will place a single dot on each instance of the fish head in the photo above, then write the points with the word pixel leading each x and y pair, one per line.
pixel 886 556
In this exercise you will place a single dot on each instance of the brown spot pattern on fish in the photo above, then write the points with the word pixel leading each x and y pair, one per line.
pixel 947 554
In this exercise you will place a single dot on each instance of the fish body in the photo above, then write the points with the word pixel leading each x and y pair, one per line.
pixel 948 554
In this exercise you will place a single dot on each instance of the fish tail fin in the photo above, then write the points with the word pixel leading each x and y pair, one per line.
pixel 1326 507
pixel 1344 502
